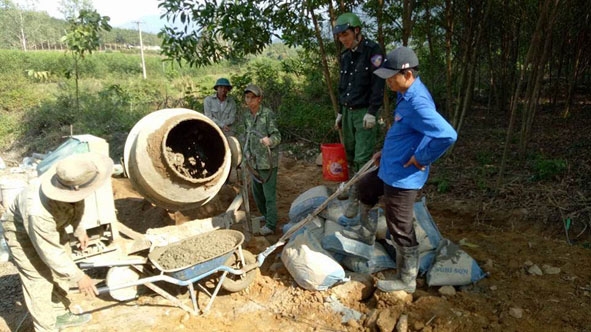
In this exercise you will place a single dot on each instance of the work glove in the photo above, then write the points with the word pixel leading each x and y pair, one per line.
pixel 369 121
pixel 338 121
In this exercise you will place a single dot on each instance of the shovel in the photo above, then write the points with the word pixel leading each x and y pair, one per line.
pixel 367 168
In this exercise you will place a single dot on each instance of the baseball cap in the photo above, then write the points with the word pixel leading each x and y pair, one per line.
pixel 397 60
pixel 254 89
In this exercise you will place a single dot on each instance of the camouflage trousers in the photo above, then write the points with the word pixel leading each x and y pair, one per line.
pixel 45 296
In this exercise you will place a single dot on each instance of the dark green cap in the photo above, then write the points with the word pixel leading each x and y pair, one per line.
pixel 222 82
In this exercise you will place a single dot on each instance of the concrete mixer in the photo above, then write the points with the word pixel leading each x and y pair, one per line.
pixel 179 159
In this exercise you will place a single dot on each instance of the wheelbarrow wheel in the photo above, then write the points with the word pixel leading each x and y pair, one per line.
pixel 237 282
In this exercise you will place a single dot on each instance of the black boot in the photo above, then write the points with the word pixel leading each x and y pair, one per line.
pixel 366 230
pixel 407 264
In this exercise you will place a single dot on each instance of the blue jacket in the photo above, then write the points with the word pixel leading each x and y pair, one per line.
pixel 418 130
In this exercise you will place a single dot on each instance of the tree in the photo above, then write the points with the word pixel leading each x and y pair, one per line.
pixel 18 20
pixel 72 8
pixel 82 37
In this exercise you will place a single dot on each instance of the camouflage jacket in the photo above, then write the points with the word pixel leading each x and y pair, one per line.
pixel 40 222
pixel 262 124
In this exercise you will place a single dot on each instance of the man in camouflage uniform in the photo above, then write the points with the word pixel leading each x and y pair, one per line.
pixel 34 228
pixel 361 95
pixel 261 152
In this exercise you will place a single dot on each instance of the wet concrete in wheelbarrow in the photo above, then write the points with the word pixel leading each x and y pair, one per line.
pixel 195 250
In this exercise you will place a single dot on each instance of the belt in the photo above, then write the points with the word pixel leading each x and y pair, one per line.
pixel 355 107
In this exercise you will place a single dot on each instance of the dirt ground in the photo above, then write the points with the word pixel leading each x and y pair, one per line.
pixel 508 239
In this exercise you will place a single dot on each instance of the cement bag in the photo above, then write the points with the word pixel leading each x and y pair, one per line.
pixel 307 202
pixel 375 215
pixel 338 243
pixel 331 227
pixel 335 209
pixel 380 260
pixel 453 267
pixel 311 267
pixel 316 222
pixel 426 230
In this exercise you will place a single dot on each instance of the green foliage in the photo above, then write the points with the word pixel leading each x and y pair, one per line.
pixel 83 32
pixel 546 169
pixel 442 183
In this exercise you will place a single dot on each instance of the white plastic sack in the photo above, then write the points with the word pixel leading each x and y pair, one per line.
pixel 453 267
pixel 311 266
pixel 335 209
pixel 307 202
pixel 426 230
pixel 315 222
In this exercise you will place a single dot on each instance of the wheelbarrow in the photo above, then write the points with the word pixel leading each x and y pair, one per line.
pixel 237 267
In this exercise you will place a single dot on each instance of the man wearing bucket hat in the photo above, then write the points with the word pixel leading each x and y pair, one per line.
pixel 361 95
pixel 35 233
pixel 220 107
pixel 261 155
pixel 418 137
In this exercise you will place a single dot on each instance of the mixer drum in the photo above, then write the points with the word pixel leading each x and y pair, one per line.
pixel 177 158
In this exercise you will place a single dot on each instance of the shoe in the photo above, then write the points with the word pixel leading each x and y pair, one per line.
pixel 264 231
pixel 69 319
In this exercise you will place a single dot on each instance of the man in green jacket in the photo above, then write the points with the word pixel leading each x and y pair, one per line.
pixel 34 228
pixel 361 95
pixel 261 152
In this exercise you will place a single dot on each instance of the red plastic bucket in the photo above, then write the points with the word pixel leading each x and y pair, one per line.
pixel 334 162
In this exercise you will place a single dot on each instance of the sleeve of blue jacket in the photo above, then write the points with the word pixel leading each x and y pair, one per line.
pixel 439 135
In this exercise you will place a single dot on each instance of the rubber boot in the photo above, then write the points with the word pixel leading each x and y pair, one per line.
pixel 353 207
pixel 366 230
pixel 408 266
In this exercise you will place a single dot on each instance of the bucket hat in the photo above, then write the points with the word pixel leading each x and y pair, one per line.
pixel 397 60
pixel 76 177
pixel 222 81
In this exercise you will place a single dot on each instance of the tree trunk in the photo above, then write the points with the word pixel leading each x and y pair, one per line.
pixel 515 98
pixel 325 67
pixel 548 14
pixel 449 31
pixel 407 24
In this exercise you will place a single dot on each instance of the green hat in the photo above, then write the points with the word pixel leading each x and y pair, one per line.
pixel 222 82
pixel 346 21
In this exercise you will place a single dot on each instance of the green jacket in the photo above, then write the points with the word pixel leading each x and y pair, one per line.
pixel 262 124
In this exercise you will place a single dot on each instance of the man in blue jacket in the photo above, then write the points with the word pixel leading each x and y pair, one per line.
pixel 418 137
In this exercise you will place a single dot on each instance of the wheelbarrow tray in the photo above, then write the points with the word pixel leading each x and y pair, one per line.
pixel 197 268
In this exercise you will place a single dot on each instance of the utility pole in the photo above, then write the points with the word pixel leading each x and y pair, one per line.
pixel 139 29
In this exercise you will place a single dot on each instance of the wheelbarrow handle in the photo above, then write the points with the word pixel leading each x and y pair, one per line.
pixel 111 263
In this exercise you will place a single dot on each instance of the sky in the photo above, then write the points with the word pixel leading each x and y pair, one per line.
pixel 121 12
